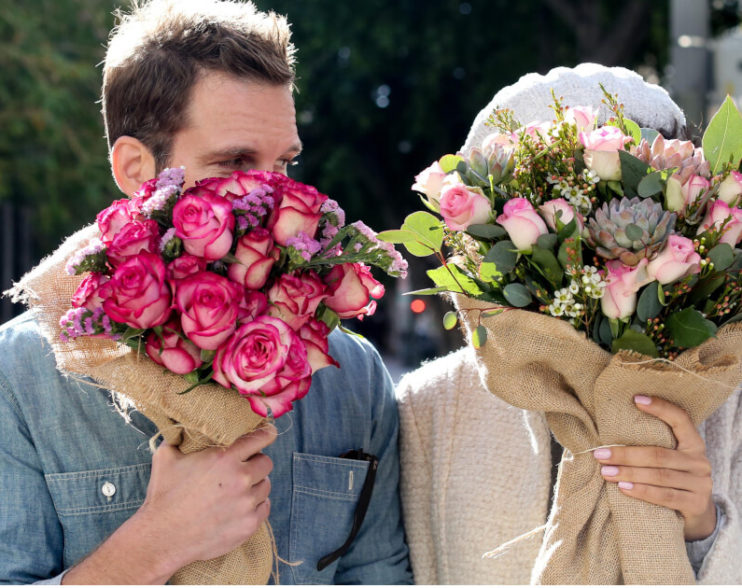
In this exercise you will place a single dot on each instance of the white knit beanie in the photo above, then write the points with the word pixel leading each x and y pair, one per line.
pixel 530 97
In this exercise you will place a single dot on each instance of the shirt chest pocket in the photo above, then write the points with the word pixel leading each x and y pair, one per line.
pixel 325 494
pixel 93 504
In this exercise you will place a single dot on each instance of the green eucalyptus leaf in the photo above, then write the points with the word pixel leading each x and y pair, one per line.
pixel 517 295
pixel 569 230
pixel 604 332
pixel 547 241
pixel 634 232
pixel 634 341
pixel 649 134
pixel 450 320
pixel 649 305
pixel 479 337
pixel 504 255
pixel 571 243
pixel 722 141
pixel 633 170
pixel 706 287
pixel 689 328
pixel 722 255
pixel 549 265
pixel 650 185
pixel 449 162
pixel 490 232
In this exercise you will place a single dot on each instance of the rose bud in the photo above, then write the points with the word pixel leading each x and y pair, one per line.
pixel 549 211
pixel 694 188
pixel 676 261
pixel 137 294
pixel 184 266
pixel 731 188
pixel 294 299
pixel 523 224
pixel 314 334
pixel 256 255
pixel 583 117
pixel 430 181
pixel 622 284
pixel 204 223
pixel 133 238
pixel 208 305
pixel 172 351
pixel 87 293
pixel 111 219
pixel 461 207
pixel 352 290
pixel 719 212
pixel 266 362
pixel 601 151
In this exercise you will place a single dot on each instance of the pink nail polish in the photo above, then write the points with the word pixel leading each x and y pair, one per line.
pixel 602 453
pixel 626 485
pixel 645 400
pixel 609 471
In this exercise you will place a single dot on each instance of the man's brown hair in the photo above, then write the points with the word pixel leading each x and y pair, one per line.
pixel 157 51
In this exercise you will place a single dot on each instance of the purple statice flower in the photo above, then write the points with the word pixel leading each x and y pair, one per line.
pixel 399 263
pixel 159 199
pixel 332 207
pixel 366 231
pixel 93 247
pixel 256 204
pixel 171 177
pixel 305 245
pixel 242 223
pixel 166 238
pixel 71 323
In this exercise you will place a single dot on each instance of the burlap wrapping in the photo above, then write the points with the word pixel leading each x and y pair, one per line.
pixel 206 416
pixel 595 534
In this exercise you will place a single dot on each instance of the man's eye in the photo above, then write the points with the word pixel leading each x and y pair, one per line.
pixel 236 163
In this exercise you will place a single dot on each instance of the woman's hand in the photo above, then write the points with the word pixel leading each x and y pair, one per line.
pixel 676 478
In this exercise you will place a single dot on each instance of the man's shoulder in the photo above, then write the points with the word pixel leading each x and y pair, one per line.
pixel 20 336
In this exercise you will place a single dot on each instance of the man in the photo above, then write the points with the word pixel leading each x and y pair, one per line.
pixel 206 85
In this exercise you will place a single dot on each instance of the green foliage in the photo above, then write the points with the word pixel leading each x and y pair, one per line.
pixel 689 328
pixel 634 341
pixel 722 141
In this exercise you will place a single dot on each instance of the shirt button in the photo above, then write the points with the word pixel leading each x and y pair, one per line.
pixel 108 489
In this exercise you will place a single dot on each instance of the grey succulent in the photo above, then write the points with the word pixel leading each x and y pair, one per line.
pixel 630 230
pixel 496 161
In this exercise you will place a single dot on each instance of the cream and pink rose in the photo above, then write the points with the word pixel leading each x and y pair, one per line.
pixel 204 223
pixel 430 181
pixel 111 219
pixel 133 238
pixel 583 117
pixel 730 188
pixel 297 211
pixel 137 293
pixel 523 224
pixel 208 304
pixel 294 299
pixel 87 293
pixel 172 351
pixel 550 209
pixel 461 207
pixel 601 151
pixel 677 260
pixel 353 290
pixel 622 284
pixel 184 266
pixel 315 336
pixel 266 361
pixel 239 183
pixel 716 215
pixel 256 255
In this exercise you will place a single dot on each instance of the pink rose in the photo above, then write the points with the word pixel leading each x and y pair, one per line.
pixel 172 351
pixel 461 207
pixel 294 299
pixel 111 219
pixel 583 117
pixel 208 304
pixel 549 211
pixel 430 181
pixel 314 334
pixel 677 260
pixel 622 284
pixel 256 255
pixel 239 183
pixel 601 151
pixel 718 212
pixel 731 188
pixel 87 292
pixel 498 143
pixel 253 304
pixel 267 362
pixel 694 188
pixel 133 238
pixel 523 224
pixel 205 224
pixel 297 211
pixel 353 290
pixel 184 266
pixel 537 130
pixel 137 294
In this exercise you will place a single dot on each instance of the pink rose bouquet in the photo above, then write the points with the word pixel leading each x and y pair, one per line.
pixel 237 280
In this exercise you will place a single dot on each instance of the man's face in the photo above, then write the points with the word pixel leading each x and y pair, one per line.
pixel 234 123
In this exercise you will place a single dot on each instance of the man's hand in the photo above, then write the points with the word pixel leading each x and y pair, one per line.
pixel 676 478
pixel 198 506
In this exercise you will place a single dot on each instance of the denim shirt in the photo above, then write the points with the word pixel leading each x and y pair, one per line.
pixel 72 470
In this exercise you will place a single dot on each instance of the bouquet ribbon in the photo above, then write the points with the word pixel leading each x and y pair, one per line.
pixel 594 533
pixel 208 415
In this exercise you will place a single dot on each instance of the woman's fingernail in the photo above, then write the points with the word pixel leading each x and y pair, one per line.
pixel 609 470
pixel 626 485
pixel 602 453
pixel 642 400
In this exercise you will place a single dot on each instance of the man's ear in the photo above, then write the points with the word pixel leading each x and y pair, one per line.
pixel 132 164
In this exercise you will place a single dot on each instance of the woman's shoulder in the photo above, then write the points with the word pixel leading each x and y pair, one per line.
pixel 451 372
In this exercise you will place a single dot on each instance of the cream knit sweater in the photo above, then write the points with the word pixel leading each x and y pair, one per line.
pixel 476 473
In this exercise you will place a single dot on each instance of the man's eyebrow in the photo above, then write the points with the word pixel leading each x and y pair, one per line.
pixel 237 151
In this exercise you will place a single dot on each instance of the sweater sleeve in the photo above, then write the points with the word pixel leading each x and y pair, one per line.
pixel 416 484
pixel 721 564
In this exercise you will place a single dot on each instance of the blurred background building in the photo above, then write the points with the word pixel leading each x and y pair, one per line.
pixel 385 87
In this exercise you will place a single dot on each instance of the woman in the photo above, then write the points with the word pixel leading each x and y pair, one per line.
pixel 477 472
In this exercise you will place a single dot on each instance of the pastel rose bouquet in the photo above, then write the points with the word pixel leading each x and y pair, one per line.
pixel 237 280
pixel 589 264
pixel 630 237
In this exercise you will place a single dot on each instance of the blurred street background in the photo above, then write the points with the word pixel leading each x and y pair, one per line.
pixel 385 87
